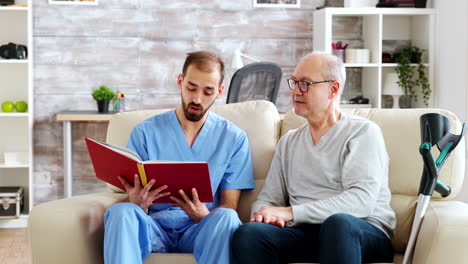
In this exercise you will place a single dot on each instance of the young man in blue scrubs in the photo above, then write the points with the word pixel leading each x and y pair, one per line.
pixel 136 228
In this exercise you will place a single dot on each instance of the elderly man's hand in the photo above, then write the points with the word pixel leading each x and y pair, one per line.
pixel 277 216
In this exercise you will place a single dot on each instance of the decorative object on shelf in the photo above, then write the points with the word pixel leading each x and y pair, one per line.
pixel 73 2
pixel 406 75
pixel 21 106
pixel 119 102
pixel 13 51
pixel 357 56
pixel 277 3
pixel 402 3
pixel 8 107
pixel 15 158
pixel 7 2
pixel 12 201
pixel 390 87
pixel 387 58
pixel 103 95
pixel 359 100
pixel 395 3
pixel 360 3
pixel 339 50
pixel 420 3
pixel 355 106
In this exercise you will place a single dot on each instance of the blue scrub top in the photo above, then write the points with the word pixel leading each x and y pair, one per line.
pixel 220 143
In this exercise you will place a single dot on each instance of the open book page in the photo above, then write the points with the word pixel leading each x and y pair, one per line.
pixel 124 151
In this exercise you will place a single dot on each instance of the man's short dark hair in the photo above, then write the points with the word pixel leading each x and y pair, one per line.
pixel 205 61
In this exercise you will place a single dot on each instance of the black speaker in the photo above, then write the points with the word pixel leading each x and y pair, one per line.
pixel 7 2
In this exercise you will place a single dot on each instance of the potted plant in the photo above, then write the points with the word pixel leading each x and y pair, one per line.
pixel 408 80
pixel 103 95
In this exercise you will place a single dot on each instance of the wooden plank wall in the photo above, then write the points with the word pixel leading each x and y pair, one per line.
pixel 139 46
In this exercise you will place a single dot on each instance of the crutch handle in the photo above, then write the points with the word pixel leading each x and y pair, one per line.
pixel 429 164
pixel 443 189
pixel 428 181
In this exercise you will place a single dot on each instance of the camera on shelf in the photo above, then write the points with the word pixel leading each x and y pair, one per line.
pixel 13 51
pixel 7 2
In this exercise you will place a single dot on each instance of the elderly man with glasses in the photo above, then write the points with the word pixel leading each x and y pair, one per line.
pixel 326 197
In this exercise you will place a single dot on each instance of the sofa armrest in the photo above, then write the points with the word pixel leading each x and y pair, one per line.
pixel 444 234
pixel 70 230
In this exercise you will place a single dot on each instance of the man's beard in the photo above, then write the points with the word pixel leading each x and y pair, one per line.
pixel 194 117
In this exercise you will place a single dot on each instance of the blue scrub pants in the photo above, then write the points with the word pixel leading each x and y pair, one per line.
pixel 341 238
pixel 131 235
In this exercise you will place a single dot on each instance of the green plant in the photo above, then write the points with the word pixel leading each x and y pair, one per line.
pixel 103 93
pixel 407 77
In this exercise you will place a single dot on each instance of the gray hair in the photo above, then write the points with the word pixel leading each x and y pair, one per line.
pixel 333 69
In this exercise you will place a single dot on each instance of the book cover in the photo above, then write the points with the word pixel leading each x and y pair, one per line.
pixel 110 161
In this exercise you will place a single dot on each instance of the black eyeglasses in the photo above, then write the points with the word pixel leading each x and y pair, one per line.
pixel 303 85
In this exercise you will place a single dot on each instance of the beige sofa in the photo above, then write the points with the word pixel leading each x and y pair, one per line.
pixel 71 230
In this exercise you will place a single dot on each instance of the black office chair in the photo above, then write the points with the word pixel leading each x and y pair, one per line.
pixel 255 81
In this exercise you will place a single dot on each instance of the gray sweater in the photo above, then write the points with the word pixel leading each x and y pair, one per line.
pixel 346 172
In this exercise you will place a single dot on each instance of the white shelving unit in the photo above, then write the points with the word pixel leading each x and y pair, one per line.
pixel 16 84
pixel 380 24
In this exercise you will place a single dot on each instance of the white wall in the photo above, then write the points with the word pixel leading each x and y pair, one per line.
pixel 451 70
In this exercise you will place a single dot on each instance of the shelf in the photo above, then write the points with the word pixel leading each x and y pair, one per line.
pixel 360 65
pixel 394 64
pixel 14 222
pixel 13 166
pixel 379 30
pixel 16 84
pixel 14 114
pixel 354 106
pixel 22 216
pixel 73 3
pixel 13 8
pixel 5 61
pixel 377 11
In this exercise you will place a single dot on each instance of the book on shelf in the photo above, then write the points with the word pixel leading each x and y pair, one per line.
pixel 110 161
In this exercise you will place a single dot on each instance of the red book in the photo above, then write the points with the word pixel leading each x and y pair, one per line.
pixel 110 161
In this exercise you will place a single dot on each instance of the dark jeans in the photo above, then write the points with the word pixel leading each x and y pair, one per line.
pixel 341 238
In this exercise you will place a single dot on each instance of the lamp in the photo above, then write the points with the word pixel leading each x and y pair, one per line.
pixel 237 59
pixel 390 87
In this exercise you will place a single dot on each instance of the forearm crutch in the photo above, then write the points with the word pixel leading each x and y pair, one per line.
pixel 434 131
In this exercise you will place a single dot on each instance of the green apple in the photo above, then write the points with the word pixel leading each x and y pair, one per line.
pixel 8 107
pixel 21 106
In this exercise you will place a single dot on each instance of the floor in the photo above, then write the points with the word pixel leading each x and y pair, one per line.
pixel 14 246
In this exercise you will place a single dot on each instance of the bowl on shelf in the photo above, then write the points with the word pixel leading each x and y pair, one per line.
pixel 357 56
pixel 15 158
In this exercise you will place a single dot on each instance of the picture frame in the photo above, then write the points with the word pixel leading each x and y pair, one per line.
pixel 73 2
pixel 277 3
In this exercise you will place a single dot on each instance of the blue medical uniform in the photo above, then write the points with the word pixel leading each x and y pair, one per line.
pixel 131 235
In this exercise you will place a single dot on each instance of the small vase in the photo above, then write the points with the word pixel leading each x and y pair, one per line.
pixel 103 106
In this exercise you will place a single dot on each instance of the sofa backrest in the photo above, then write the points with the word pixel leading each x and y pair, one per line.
pixel 259 119
pixel 401 131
